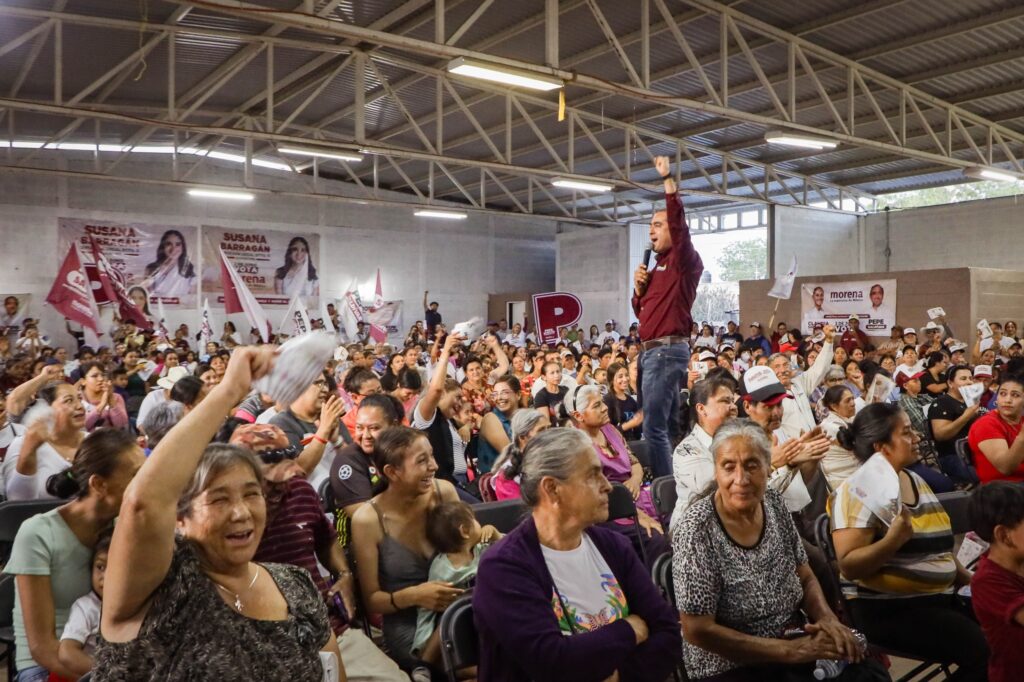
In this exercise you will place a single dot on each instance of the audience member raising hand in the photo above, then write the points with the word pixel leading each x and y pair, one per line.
pixel 196 607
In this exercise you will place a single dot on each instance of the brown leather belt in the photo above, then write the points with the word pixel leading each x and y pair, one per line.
pixel 664 341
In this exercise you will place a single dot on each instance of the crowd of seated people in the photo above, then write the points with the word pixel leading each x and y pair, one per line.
pixel 214 485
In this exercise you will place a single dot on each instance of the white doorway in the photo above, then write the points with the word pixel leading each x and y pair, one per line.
pixel 516 311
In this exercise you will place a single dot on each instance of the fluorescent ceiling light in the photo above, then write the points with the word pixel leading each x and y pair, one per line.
pixel 475 68
pixel 797 140
pixel 982 173
pixel 323 153
pixel 568 183
pixel 444 215
pixel 221 194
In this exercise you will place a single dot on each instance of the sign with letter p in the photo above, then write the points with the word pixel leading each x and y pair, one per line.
pixel 555 310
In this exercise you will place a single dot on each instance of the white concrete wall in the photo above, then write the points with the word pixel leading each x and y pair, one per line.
pixel 988 234
pixel 825 242
pixel 594 265
pixel 461 263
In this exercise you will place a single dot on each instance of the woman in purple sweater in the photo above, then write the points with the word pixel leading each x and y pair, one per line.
pixel 561 599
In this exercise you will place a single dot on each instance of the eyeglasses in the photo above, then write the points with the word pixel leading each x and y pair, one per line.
pixel 278 455
pixel 321 384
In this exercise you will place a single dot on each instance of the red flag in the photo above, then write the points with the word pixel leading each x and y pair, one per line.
pixel 238 298
pixel 71 294
pixel 110 283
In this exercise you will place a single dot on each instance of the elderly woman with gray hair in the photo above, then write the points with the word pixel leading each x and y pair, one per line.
pixel 742 579
pixel 526 423
pixel 183 599
pixel 561 597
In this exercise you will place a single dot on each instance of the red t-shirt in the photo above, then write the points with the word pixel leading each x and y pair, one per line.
pixel 997 595
pixel 665 308
pixel 993 427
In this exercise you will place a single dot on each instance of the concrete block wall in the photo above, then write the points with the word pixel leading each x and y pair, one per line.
pixel 461 263
pixel 986 234
pixel 824 242
pixel 594 265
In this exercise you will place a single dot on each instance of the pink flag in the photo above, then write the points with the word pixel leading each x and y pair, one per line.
pixel 71 294
pixel 377 333
pixel 238 298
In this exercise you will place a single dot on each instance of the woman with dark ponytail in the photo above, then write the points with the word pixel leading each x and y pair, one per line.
pixel 526 424
pixel 899 575
pixel 52 553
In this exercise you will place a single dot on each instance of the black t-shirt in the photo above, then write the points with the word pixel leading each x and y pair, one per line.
pixel 622 411
pixel 735 336
pixel 293 427
pixel 948 407
pixel 552 401
pixel 926 381
pixel 352 479
pixel 432 318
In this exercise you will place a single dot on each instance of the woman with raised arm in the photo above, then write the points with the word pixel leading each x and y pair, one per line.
pixel 195 606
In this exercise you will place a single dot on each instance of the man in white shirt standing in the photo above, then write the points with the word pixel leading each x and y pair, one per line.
pixel 609 333
pixel 798 414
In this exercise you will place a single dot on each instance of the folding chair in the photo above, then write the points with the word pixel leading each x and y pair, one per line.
pixel 663 490
pixel 13 514
pixel 504 515
pixel 326 493
pixel 661 573
pixel 460 647
pixel 823 535
pixel 622 506
pixel 955 504
pixel 7 622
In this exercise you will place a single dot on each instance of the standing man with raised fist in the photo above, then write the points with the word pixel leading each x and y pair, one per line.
pixel 662 298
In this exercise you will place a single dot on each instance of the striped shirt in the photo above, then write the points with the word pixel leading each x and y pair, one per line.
pixel 923 565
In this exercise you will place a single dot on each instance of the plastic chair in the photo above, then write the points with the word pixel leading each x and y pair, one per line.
pixel 661 574
pixel 963 450
pixel 663 490
pixel 622 506
pixel 460 647
pixel 823 536
pixel 955 504
pixel 7 622
pixel 504 515
pixel 13 514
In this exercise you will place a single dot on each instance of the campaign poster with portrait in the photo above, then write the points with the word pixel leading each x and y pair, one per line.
pixel 159 261
pixel 872 301
pixel 274 265
pixel 13 314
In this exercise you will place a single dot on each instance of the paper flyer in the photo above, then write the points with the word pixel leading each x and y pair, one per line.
pixel 877 485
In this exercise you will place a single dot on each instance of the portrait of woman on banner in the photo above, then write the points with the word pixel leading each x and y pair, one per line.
pixel 298 274
pixel 172 274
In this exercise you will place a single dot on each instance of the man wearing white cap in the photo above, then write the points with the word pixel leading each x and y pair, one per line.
pixel 609 333
pixel 798 414
pixel 853 337
pixel 161 394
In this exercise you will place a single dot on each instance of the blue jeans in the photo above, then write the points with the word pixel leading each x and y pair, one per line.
pixel 663 371
pixel 33 674
pixel 956 469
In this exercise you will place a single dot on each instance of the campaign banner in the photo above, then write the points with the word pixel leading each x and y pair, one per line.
pixel 388 316
pixel 274 265
pixel 555 310
pixel 13 315
pixel 158 262
pixel 872 301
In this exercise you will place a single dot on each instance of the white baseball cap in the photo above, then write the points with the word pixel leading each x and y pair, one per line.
pixel 762 386
pixel 983 371
pixel 909 330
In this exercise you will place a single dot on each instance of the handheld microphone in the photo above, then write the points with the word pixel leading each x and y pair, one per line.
pixel 647 255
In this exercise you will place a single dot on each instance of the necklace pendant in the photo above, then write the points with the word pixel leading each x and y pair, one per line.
pixel 238 604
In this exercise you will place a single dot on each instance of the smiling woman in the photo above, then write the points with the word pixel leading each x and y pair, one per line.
pixel 197 606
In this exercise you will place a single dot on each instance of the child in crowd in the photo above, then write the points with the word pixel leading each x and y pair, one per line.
pixel 119 381
pixel 78 641
pixel 997 589
pixel 459 540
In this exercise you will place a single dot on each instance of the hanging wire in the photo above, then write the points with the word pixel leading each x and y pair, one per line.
pixel 144 12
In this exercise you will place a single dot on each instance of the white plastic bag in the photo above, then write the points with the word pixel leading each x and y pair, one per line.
pixel 300 360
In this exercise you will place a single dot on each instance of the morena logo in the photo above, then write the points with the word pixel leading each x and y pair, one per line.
pixel 846 295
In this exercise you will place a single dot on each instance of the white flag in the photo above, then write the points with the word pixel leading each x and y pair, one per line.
pixel 296 319
pixel 238 298
pixel 783 287
pixel 325 316
pixel 351 314
pixel 161 327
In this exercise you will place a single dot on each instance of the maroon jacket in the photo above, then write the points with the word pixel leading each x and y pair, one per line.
pixel 664 309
